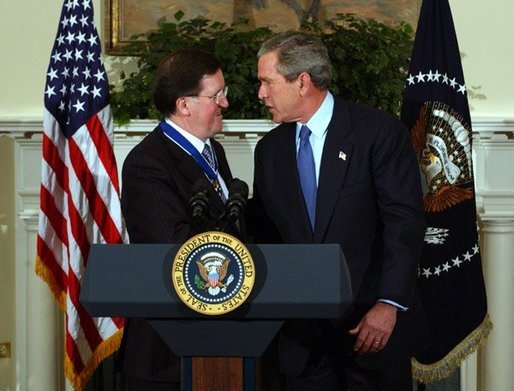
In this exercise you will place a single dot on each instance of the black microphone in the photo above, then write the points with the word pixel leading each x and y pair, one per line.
pixel 237 197
pixel 235 205
pixel 199 203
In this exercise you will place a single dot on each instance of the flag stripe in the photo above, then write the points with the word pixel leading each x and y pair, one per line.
pixel 118 322
pixel 78 231
pixel 54 161
pixel 86 321
pixel 73 353
pixel 97 207
pixel 54 216
pixel 103 146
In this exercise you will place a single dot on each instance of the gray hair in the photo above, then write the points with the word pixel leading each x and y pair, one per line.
pixel 299 52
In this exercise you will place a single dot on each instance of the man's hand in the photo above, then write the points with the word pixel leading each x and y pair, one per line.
pixel 375 328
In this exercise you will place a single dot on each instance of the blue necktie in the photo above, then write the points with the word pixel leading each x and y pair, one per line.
pixel 307 173
pixel 207 153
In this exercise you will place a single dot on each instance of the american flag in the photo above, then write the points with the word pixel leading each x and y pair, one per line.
pixel 79 196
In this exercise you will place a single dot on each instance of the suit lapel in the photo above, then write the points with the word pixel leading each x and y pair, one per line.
pixel 190 170
pixel 288 183
pixel 337 154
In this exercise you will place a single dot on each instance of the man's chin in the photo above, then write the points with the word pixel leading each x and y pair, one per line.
pixel 276 118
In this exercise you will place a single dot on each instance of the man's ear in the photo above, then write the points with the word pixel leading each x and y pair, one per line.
pixel 304 80
pixel 182 106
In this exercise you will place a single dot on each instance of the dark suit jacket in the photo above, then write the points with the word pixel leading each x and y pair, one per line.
pixel 369 201
pixel 157 181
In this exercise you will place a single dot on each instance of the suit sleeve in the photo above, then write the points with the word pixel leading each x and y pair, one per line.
pixel 397 183
pixel 261 228
pixel 155 209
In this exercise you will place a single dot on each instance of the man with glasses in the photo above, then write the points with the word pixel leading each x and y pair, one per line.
pixel 158 177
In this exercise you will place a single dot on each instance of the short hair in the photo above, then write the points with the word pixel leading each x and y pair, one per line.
pixel 300 52
pixel 180 74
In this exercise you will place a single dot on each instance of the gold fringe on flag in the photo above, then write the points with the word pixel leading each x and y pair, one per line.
pixel 42 270
pixel 104 350
pixel 426 373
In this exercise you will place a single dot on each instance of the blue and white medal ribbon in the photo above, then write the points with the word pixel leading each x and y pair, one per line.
pixel 184 143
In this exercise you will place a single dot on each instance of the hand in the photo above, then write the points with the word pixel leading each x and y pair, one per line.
pixel 375 328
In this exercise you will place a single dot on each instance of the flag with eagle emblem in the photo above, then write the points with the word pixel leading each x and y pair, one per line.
pixel 435 109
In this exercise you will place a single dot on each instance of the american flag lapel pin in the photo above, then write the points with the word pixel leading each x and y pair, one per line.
pixel 342 155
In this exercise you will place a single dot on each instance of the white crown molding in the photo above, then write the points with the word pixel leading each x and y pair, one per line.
pixel 26 127
pixel 492 124
pixel 495 205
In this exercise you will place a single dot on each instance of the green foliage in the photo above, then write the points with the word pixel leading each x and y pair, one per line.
pixel 199 282
pixel 370 62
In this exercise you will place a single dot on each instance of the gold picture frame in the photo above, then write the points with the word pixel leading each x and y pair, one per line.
pixel 124 18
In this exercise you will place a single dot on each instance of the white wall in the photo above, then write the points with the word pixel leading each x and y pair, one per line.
pixel 7 258
pixel 28 28
pixel 484 31
pixel 27 31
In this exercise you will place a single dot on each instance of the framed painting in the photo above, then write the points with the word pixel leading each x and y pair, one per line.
pixel 124 18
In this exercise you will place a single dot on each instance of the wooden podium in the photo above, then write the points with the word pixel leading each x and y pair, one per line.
pixel 292 282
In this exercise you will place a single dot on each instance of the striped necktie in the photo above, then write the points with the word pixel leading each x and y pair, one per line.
pixel 207 153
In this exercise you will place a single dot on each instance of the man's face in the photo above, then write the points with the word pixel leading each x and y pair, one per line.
pixel 280 96
pixel 206 118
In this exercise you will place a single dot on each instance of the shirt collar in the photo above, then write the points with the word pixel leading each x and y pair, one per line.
pixel 195 141
pixel 318 123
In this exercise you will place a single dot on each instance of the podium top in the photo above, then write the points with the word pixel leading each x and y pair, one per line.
pixel 304 281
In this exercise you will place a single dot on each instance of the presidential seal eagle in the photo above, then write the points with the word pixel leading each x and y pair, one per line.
pixel 213 269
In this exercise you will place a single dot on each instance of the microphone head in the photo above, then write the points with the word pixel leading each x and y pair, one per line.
pixel 200 186
pixel 235 205
pixel 237 197
pixel 238 188
pixel 199 201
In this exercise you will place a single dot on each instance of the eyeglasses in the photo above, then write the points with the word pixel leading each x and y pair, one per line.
pixel 216 98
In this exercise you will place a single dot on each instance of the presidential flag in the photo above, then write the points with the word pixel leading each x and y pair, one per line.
pixel 435 109
pixel 79 195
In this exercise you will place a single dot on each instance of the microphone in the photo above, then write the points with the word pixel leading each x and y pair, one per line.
pixel 237 197
pixel 199 205
pixel 235 205
pixel 199 202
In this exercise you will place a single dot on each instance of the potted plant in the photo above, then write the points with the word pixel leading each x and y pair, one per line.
pixel 370 62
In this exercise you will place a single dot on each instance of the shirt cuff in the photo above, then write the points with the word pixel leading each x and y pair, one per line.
pixel 393 303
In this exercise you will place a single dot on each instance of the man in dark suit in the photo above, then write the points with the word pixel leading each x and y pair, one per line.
pixel 337 172
pixel 157 183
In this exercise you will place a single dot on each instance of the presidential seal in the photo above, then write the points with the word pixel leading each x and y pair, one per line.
pixel 442 140
pixel 213 273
